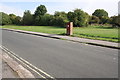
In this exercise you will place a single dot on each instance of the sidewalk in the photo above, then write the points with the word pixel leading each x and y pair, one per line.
pixel 13 69
pixel 76 39
pixel 7 72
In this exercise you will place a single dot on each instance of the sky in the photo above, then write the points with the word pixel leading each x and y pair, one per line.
pixel 19 6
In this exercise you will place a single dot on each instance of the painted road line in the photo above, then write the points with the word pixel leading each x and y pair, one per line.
pixel 23 63
pixel 29 65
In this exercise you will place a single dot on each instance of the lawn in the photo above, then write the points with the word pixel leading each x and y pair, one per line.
pixel 93 32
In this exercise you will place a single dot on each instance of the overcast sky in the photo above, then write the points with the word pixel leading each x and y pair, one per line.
pixel 19 6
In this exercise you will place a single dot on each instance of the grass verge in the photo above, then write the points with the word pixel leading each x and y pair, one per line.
pixel 92 32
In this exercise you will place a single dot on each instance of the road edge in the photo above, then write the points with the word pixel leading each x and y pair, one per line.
pixel 15 66
pixel 57 37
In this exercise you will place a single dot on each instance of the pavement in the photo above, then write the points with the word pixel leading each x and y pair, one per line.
pixel 76 39
pixel 62 58
pixel 7 71
pixel 11 68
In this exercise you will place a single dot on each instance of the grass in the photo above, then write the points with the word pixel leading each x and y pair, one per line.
pixel 93 32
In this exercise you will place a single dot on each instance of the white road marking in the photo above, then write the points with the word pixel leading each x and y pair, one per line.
pixel 2 47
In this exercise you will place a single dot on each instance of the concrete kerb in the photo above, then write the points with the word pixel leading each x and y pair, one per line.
pixel 61 37
pixel 19 69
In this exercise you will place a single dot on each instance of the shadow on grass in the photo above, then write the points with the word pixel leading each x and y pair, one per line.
pixel 98 36
pixel 103 27
pixel 90 36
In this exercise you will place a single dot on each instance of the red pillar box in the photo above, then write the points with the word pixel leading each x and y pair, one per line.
pixel 69 28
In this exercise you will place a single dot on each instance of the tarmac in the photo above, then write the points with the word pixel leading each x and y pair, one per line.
pixel 8 72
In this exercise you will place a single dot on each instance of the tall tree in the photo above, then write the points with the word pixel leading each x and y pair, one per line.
pixel 40 11
pixel 27 18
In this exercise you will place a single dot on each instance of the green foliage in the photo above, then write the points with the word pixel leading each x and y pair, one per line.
pixel 27 18
pixel 94 20
pixel 12 18
pixel 46 20
pixel 18 20
pixel 100 12
pixel 15 19
pixel 5 19
pixel 60 19
pixel 104 20
pixel 39 15
pixel 70 16
pixel 41 10
pixel 115 21
pixel 61 14
pixel 78 17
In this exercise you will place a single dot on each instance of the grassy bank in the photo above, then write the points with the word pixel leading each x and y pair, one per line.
pixel 93 32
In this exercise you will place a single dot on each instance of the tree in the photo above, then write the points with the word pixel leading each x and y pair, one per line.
pixel 115 21
pixel 15 19
pixel 61 14
pixel 100 13
pixel 12 17
pixel 41 10
pixel 60 19
pixel 94 20
pixel 18 20
pixel 27 18
pixel 70 16
pixel 104 20
pixel 78 17
pixel 39 13
pixel 46 20
pixel 5 19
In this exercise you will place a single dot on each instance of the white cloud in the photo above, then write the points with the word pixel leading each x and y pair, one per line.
pixel 9 10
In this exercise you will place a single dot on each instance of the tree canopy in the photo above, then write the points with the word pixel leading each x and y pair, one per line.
pixel 40 10
pixel 5 19
pixel 100 13
pixel 27 18
pixel 78 17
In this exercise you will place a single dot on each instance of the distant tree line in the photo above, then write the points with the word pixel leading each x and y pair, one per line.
pixel 42 18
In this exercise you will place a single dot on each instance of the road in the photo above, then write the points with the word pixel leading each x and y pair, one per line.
pixel 62 58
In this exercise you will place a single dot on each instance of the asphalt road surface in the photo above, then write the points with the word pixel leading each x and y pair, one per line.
pixel 62 58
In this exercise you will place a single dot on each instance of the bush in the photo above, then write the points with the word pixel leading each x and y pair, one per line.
pixel 94 20
pixel 78 17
